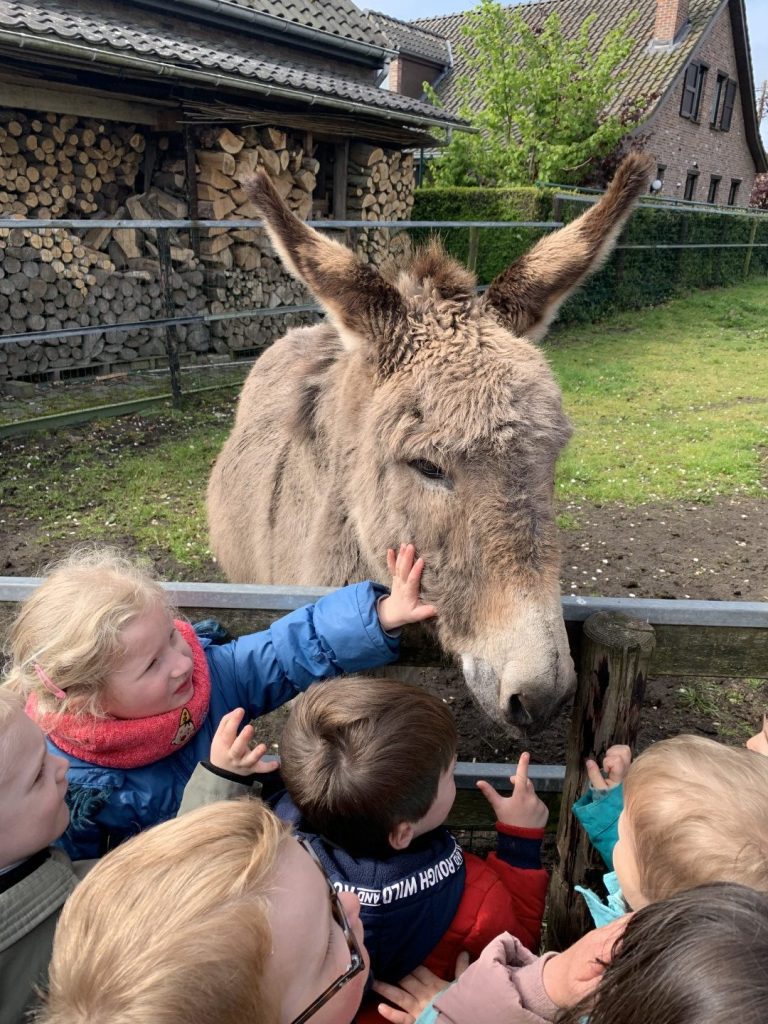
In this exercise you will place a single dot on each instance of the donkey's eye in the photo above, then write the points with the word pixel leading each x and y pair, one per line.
pixel 429 470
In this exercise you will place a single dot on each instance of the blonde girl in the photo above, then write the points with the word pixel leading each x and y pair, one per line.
pixel 132 697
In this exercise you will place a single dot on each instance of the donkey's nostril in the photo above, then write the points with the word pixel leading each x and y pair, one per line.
pixel 516 712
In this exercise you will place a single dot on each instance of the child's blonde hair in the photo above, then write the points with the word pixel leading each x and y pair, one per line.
pixel 698 813
pixel 173 926
pixel 70 627
pixel 10 706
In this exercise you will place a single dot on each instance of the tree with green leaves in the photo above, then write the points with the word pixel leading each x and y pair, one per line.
pixel 540 99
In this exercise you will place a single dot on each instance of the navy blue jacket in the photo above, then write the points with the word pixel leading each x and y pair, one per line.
pixel 407 900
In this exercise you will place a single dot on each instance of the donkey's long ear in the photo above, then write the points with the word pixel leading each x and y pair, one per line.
pixel 528 294
pixel 354 294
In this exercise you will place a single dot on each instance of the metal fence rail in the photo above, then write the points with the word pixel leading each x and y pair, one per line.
pixel 278 598
pixel 169 324
pixel 701 615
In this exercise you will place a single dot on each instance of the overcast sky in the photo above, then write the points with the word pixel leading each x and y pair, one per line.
pixel 757 19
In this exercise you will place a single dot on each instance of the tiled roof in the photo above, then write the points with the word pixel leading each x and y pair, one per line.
pixel 406 37
pixel 651 72
pixel 173 47
pixel 338 17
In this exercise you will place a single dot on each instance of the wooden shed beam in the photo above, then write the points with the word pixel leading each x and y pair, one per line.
pixel 84 103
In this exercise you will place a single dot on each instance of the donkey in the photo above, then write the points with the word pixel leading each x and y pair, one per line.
pixel 419 411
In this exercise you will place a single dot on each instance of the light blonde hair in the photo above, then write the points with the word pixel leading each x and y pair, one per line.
pixel 71 627
pixel 698 813
pixel 11 705
pixel 173 926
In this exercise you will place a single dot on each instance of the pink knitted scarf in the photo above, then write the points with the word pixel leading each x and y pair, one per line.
pixel 132 742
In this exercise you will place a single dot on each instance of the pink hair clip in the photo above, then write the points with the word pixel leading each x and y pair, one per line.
pixel 48 683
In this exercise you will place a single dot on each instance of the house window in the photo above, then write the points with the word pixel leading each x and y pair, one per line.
pixel 690 184
pixel 717 99
pixel 733 191
pixel 714 185
pixel 729 99
pixel 693 90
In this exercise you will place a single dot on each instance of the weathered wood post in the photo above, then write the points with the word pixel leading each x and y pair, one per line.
pixel 169 307
pixel 474 245
pixel 750 246
pixel 615 653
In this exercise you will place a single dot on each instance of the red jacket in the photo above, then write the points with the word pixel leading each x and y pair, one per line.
pixel 497 898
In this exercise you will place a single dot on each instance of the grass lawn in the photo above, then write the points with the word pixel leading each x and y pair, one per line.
pixel 668 403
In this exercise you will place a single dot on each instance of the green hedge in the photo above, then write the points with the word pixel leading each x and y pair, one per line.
pixel 632 277
pixel 498 246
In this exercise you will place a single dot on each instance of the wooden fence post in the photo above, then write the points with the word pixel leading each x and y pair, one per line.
pixel 615 653
pixel 750 247
pixel 474 245
pixel 169 307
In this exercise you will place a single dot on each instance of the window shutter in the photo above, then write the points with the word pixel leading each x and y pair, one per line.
pixel 730 97
pixel 689 91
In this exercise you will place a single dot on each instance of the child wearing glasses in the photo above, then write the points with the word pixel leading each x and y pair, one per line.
pixel 131 697
pixel 216 917
pixel 368 768
pixel 35 877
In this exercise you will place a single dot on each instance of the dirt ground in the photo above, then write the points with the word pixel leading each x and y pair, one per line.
pixel 716 551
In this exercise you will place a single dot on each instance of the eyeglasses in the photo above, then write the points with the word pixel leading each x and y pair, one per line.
pixel 356 962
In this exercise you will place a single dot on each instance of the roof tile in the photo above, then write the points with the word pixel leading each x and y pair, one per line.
pixel 339 17
pixel 188 45
pixel 408 38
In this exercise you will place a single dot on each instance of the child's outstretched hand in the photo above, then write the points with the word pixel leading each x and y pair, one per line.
pixel 232 752
pixel 404 604
pixel 414 992
pixel 759 742
pixel 616 764
pixel 523 809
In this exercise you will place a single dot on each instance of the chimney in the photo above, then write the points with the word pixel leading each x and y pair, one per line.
pixel 671 19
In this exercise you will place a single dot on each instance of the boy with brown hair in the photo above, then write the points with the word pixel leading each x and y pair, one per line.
pixel 368 768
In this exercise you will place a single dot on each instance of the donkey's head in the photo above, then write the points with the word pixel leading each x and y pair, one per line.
pixel 451 427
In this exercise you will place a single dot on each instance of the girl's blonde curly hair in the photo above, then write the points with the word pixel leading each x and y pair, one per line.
pixel 70 629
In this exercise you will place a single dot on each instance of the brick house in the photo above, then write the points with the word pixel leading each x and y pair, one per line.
pixel 691 61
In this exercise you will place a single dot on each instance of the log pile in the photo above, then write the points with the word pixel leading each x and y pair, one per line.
pixel 244 271
pixel 58 165
pixel 381 184
pixel 137 248
pixel 225 160
pixel 43 297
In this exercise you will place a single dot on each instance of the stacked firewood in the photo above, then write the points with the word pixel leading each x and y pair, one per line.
pixel 266 285
pixel 380 188
pixel 52 301
pixel 137 248
pixel 58 165
pixel 244 272
pixel 380 183
pixel 224 162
